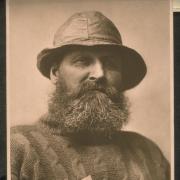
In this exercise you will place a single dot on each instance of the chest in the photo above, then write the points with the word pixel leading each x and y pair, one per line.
pixel 59 159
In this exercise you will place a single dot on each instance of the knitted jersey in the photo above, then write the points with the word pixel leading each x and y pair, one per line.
pixel 40 154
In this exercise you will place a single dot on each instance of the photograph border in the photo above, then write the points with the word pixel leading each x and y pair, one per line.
pixel 3 132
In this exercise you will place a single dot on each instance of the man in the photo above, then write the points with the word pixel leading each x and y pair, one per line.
pixel 80 137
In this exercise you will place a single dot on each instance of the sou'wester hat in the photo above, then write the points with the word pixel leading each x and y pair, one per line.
pixel 90 29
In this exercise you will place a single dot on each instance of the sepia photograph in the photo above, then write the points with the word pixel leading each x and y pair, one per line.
pixel 89 90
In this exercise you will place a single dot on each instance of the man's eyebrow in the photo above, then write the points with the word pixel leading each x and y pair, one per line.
pixel 111 56
pixel 80 54
pixel 77 56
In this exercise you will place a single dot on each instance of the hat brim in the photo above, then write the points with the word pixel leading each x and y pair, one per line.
pixel 133 65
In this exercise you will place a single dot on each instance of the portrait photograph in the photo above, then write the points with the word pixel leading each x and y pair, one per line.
pixel 89 90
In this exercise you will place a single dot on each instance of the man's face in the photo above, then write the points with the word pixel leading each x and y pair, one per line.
pixel 90 65
pixel 87 97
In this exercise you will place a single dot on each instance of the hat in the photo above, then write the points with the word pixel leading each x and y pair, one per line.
pixel 92 29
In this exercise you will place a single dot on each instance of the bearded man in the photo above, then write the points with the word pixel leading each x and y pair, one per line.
pixel 81 136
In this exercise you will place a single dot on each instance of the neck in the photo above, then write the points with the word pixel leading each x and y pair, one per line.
pixel 82 137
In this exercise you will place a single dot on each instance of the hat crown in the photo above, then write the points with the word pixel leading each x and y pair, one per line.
pixel 87 27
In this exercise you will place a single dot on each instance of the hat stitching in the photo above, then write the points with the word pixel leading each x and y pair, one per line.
pixel 97 40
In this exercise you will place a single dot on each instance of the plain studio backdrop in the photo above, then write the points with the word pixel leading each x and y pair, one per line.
pixel 144 25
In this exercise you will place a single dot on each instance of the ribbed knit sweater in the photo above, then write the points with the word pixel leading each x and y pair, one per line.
pixel 37 153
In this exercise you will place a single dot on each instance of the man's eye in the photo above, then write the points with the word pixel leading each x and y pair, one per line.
pixel 110 61
pixel 82 61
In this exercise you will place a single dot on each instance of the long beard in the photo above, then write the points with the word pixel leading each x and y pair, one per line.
pixel 94 109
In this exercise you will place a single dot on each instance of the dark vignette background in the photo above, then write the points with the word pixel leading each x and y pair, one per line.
pixel 3 92
pixel 177 92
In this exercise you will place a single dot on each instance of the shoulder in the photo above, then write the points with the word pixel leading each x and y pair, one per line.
pixel 20 137
pixel 141 145
pixel 22 129
pixel 22 143
pixel 136 139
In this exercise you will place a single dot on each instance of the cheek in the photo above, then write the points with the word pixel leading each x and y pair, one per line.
pixel 73 77
pixel 114 78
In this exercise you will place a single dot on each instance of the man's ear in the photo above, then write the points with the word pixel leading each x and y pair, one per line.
pixel 54 74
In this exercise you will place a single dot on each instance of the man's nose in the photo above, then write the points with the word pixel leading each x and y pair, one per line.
pixel 97 71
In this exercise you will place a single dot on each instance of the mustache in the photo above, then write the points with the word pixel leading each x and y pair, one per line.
pixel 90 86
